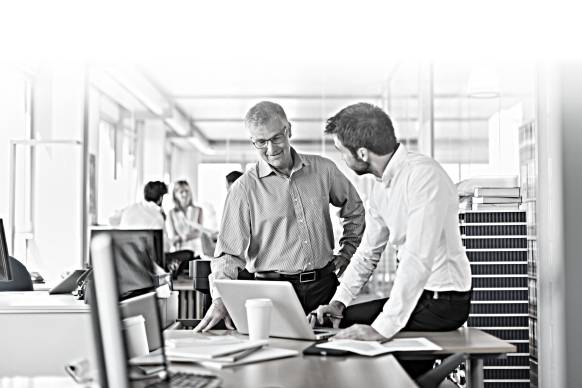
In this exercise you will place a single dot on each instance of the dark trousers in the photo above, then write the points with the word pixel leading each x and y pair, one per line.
pixel 442 314
pixel 313 294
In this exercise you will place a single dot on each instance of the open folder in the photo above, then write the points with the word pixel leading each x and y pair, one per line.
pixel 374 348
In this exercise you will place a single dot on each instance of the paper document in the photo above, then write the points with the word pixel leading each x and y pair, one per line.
pixel 177 342
pixel 374 348
pixel 260 355
pixel 209 350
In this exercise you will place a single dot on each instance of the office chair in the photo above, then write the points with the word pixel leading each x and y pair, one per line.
pixel 177 262
pixel 20 277
pixel 434 377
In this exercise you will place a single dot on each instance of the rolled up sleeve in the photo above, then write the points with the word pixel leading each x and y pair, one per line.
pixel 365 259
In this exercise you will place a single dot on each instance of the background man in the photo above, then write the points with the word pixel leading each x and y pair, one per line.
pixel 147 214
pixel 231 177
pixel 276 221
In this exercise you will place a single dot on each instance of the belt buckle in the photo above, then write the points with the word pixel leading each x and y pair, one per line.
pixel 306 277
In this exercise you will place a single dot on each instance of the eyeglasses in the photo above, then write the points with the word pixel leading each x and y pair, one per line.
pixel 277 139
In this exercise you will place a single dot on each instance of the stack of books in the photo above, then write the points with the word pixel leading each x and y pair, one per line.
pixel 496 198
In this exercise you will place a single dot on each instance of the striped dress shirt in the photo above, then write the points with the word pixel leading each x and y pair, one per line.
pixel 272 222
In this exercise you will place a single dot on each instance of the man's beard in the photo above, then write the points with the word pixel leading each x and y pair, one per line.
pixel 360 167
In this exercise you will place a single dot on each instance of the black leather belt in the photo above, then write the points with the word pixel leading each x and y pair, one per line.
pixel 302 277
pixel 447 295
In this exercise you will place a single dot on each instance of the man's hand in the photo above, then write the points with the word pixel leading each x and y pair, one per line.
pixel 215 314
pixel 333 311
pixel 360 332
pixel 341 263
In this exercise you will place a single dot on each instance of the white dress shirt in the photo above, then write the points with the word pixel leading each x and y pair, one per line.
pixel 144 215
pixel 414 208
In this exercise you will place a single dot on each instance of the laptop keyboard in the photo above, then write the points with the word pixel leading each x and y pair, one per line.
pixel 188 380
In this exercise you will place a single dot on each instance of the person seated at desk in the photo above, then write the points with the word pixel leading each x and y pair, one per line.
pixel 413 207
pixel 276 220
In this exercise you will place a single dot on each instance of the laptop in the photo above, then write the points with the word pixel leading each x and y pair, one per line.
pixel 288 319
pixel 116 369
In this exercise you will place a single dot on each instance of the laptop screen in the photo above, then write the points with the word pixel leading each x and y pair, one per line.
pixel 115 317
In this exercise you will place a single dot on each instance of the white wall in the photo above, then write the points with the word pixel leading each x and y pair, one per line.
pixel 559 224
pixel 154 138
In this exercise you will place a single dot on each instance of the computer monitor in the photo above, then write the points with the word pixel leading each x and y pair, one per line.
pixel 5 271
pixel 140 257
pixel 109 309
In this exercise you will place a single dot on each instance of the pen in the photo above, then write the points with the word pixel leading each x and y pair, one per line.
pixel 235 352
pixel 243 354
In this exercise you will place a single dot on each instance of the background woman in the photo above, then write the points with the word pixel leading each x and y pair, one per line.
pixel 184 221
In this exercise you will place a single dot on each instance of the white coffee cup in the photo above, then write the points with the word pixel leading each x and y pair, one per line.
pixel 259 318
pixel 135 334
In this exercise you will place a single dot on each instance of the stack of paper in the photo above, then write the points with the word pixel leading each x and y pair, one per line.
pixel 221 351
pixel 208 350
pixel 492 198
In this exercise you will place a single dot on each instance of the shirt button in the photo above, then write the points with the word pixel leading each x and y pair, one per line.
pixel 305 241
pixel 300 220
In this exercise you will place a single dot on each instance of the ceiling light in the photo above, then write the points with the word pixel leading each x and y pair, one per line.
pixel 483 82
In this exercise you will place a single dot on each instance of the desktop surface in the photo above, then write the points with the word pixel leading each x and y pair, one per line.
pixel 311 371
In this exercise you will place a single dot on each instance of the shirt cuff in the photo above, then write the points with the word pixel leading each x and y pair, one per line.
pixel 213 290
pixel 385 327
pixel 343 295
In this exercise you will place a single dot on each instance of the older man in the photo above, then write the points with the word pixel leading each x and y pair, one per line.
pixel 276 220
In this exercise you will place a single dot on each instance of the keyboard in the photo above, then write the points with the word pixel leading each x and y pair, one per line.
pixel 188 380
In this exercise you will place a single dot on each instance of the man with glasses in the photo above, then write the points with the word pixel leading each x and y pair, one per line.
pixel 276 220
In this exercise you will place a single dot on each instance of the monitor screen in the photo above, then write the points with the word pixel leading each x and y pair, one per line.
pixel 5 272
pixel 139 258
pixel 109 308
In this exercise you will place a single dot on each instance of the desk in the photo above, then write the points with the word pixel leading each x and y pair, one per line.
pixel 39 333
pixel 315 371
pixel 39 382
pixel 476 343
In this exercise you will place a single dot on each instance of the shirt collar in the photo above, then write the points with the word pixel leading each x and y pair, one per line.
pixel 394 165
pixel 265 169
pixel 151 204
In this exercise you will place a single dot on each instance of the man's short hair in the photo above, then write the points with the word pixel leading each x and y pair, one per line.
pixel 232 176
pixel 363 125
pixel 263 112
pixel 154 191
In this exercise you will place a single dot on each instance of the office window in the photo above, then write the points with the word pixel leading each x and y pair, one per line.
pixel 15 119
pixel 212 190
pixel 116 170
pixel 478 109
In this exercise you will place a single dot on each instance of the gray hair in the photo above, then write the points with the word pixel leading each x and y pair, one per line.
pixel 263 112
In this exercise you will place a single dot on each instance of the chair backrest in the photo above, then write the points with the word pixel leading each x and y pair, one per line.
pixel 20 278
